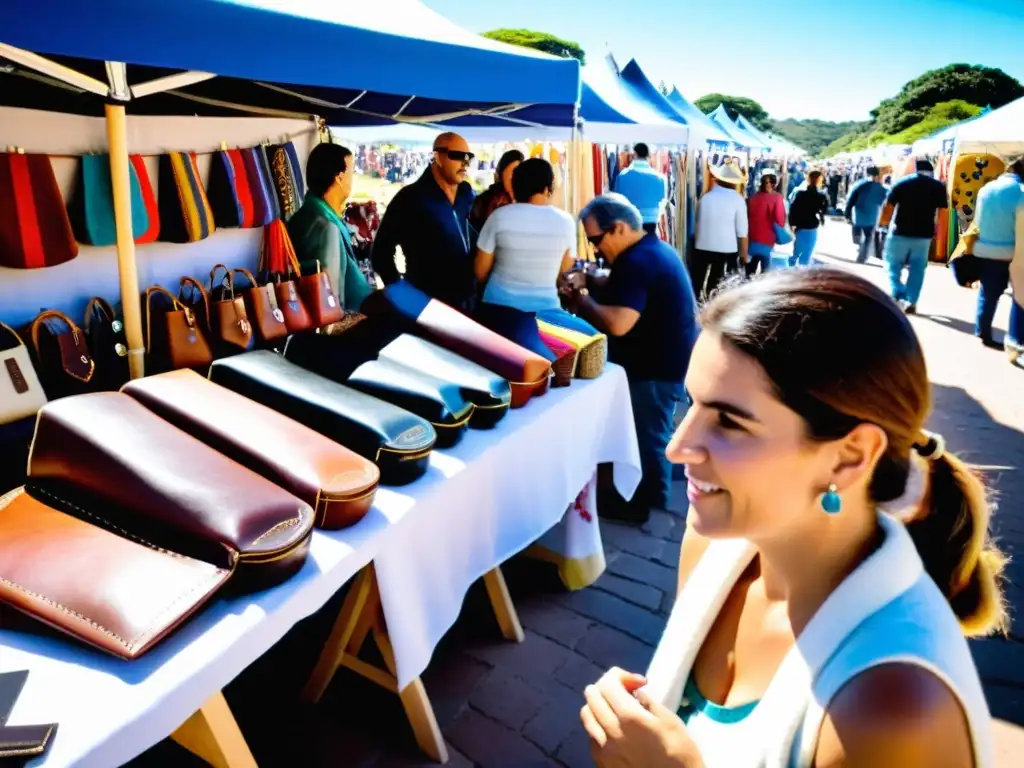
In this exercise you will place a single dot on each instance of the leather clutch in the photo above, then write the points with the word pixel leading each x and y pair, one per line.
pixel 487 391
pixel 119 594
pixel 438 401
pixel 105 454
pixel 337 483
pixel 399 442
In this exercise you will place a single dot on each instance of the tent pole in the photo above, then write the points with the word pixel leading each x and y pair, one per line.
pixel 117 142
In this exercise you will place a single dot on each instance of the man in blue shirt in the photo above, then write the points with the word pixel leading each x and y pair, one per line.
pixel 863 208
pixel 429 219
pixel 644 187
pixel 648 311
pixel 916 199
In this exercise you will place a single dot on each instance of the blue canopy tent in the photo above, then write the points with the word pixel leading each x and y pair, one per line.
pixel 766 142
pixel 737 134
pixel 634 78
pixel 702 128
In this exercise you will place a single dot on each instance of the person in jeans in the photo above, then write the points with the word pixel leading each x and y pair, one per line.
pixel 766 210
pixel 916 201
pixel 807 210
pixel 999 213
pixel 648 311
pixel 644 187
pixel 863 209
pixel 720 231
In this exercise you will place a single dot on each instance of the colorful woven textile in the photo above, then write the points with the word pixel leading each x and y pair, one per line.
pixel 185 213
pixel 34 227
pixel 228 190
pixel 91 208
pixel 152 232
pixel 287 184
pixel 264 201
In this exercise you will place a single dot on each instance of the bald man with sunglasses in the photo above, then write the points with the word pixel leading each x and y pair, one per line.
pixel 429 220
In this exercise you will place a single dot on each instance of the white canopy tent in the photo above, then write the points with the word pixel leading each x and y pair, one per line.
pixel 999 132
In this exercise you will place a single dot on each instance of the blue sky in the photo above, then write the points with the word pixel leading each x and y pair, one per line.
pixel 832 59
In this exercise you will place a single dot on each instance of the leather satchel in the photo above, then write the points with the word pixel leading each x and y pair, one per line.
pixel 262 308
pixel 106 454
pixel 64 363
pixel 339 484
pixel 117 593
pixel 488 392
pixel 399 442
pixel 229 320
pixel 321 300
pixel 174 338
pixel 105 335
pixel 21 394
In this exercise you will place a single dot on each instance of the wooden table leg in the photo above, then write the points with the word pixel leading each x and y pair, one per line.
pixel 212 734
pixel 501 602
pixel 361 614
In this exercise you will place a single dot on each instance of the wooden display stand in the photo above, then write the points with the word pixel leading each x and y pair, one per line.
pixel 212 734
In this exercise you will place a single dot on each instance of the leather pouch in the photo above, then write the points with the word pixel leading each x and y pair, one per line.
pixel 105 335
pixel 337 483
pixel 320 298
pixel 229 320
pixel 399 442
pixel 263 310
pixel 488 392
pixel 174 336
pixel 21 394
pixel 119 594
pixel 106 452
pixel 64 362
pixel 438 401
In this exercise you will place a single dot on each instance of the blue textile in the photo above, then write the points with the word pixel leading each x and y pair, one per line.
pixel 864 203
pixel 644 187
pixel 867 237
pixel 996 219
pixel 515 325
pixel 804 241
pixel 917 199
pixel 654 408
pixel 565 319
pixel 910 253
pixel 995 276
pixel 1015 333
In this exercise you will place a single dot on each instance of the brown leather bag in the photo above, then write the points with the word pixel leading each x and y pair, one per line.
pixel 296 316
pixel 174 337
pixel 321 300
pixel 261 303
pixel 63 359
pixel 192 294
pixel 229 320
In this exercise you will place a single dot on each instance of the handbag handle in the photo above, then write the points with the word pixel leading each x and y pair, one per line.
pixel 191 281
pixel 103 306
pixel 227 275
pixel 13 333
pixel 248 276
pixel 177 306
pixel 38 322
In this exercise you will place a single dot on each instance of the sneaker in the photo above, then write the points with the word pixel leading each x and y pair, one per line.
pixel 992 343
pixel 1013 353
pixel 910 309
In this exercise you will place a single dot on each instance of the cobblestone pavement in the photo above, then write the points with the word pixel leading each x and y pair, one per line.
pixel 501 704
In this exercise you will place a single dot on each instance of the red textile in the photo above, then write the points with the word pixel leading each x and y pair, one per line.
pixel 764 211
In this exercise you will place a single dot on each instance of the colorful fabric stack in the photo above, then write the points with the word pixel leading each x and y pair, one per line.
pixel 34 227
pixel 185 213
pixel 91 208
pixel 592 345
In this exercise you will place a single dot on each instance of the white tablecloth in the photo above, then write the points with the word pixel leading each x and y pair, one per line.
pixel 481 502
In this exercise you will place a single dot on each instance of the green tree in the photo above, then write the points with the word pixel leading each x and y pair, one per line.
pixel 735 106
pixel 540 41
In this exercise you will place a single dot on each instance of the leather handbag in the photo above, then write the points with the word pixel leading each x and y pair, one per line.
pixel 339 484
pixel 399 442
pixel 21 394
pixel 262 308
pixel 107 454
pixel 193 295
pixel 320 298
pixel 229 320
pixel 174 338
pixel 489 393
pixel 104 333
pixel 296 316
pixel 63 361
pixel 119 594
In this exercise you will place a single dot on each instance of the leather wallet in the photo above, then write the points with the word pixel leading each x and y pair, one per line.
pixel 25 740
pixel 120 593
pixel 339 484
pixel 438 401
pixel 107 455
pixel 399 442
pixel 487 391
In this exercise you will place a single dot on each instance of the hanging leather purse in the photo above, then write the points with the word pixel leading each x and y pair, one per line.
pixel 296 316
pixel 64 363
pixel 173 336
pixel 105 335
pixel 261 304
pixel 321 300
pixel 21 394
pixel 229 321
pixel 193 295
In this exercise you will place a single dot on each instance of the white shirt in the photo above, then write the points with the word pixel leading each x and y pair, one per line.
pixel 528 242
pixel 721 221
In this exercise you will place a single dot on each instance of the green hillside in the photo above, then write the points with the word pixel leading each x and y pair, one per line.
pixel 815 135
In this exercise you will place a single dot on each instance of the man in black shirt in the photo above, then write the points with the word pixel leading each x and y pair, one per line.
pixel 916 200
pixel 429 219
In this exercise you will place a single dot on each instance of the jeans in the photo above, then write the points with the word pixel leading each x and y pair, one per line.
pixel 654 409
pixel 995 276
pixel 1015 335
pixel 910 253
pixel 804 241
pixel 867 237
pixel 758 254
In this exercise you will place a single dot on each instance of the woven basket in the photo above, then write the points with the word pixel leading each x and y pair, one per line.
pixel 593 350
pixel 566 357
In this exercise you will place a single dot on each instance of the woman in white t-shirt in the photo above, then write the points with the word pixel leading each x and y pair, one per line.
pixel 524 247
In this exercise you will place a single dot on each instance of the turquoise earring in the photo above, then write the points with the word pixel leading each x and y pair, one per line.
pixel 831 502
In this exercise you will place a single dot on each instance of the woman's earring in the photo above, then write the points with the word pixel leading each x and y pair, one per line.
pixel 831 502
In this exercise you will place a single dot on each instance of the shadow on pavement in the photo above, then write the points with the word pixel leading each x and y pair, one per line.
pixel 954 323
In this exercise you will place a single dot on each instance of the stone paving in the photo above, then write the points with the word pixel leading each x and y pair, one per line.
pixel 501 704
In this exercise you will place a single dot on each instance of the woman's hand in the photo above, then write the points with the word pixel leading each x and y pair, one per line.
pixel 630 730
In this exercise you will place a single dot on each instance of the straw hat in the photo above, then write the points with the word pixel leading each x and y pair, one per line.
pixel 728 173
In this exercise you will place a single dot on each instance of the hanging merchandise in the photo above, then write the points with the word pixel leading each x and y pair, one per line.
pixel 320 298
pixel 105 335
pixel 263 197
pixel 229 321
pixel 91 208
pixel 185 214
pixel 260 153
pixel 286 181
pixel 152 232
pixel 34 227
pixel 174 338
pixel 62 355
pixel 231 199
pixel 261 303
pixel 21 394
pixel 970 173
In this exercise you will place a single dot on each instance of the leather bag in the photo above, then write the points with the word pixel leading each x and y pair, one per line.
pixel 397 441
pixel 106 453
pixel 340 485
pixel 63 360
pixel 104 333
pixel 262 308
pixel 229 320
pixel 21 394
pixel 174 338
pixel 320 298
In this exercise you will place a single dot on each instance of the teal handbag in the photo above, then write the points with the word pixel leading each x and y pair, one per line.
pixel 91 208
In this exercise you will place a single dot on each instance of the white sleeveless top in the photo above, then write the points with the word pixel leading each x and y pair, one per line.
pixel 888 610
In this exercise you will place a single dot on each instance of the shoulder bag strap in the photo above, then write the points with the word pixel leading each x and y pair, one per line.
pixel 42 317
pixel 13 333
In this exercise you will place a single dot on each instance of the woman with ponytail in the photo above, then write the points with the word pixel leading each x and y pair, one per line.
pixel 835 558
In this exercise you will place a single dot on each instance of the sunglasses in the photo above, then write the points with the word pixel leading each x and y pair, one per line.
pixel 456 154
pixel 595 240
